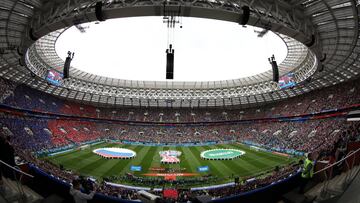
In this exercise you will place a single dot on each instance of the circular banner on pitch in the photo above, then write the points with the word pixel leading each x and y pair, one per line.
pixel 115 153
pixel 170 156
pixel 221 154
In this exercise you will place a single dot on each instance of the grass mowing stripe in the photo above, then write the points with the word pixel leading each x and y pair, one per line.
pixel 251 163
pixel 149 158
pixel 190 159
pixel 58 156
pixel 156 160
pixel 142 151
pixel 276 158
pixel 265 156
pixel 88 168
pixel 250 158
pixel 97 169
pixel 173 166
pixel 78 159
pixel 92 163
pixel 70 156
pixel 239 165
pixel 184 163
pixel 166 165
pixel 224 165
pixel 78 156
pixel 92 167
pixel 257 166
pixel 214 169
pixel 77 164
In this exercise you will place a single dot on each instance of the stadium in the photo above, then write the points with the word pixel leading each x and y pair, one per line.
pixel 179 101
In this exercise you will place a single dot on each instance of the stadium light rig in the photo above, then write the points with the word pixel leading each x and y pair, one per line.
pixel 275 68
pixel 170 62
pixel 67 63
pixel 171 18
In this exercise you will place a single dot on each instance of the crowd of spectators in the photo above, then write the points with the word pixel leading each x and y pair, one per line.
pixel 72 132
pixel 306 136
pixel 6 89
pixel 26 133
pixel 338 150
pixel 338 96
pixel 39 134
pixel 251 184
pixel 156 181
pixel 42 134
pixel 185 194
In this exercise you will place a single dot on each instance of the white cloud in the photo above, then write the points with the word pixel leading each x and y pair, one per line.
pixel 134 48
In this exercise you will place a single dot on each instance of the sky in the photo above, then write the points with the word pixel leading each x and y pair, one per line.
pixel 205 50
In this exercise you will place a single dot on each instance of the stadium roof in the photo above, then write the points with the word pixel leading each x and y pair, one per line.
pixel 320 34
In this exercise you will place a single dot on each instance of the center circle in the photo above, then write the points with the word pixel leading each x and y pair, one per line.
pixel 221 154
pixel 170 156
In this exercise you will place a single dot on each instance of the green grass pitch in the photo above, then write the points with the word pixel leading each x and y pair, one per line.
pixel 252 163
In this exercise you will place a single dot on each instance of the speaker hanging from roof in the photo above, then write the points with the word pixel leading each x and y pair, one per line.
pixel 275 69
pixel 67 63
pixel 245 15
pixel 99 12
pixel 170 63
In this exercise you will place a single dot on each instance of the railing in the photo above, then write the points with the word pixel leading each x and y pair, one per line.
pixel 16 170
pixel 345 167
pixel 16 175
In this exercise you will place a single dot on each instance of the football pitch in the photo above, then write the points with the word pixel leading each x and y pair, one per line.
pixel 252 163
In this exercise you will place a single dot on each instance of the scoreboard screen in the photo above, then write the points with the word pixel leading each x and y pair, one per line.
pixel 287 81
pixel 54 77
